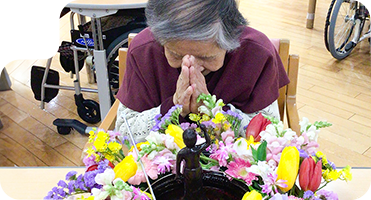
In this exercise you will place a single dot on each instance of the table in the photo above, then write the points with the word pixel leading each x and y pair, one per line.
pixel 35 182
pixel 95 9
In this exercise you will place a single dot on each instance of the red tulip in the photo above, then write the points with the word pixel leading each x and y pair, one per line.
pixel 257 125
pixel 310 174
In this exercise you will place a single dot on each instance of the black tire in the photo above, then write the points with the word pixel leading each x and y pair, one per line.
pixel 90 112
pixel 64 130
pixel 112 53
pixel 327 24
pixel 342 25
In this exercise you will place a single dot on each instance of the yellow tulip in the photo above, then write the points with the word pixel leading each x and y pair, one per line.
pixel 288 167
pixel 126 168
pixel 177 133
pixel 253 195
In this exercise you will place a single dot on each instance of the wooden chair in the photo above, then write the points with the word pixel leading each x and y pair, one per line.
pixel 286 100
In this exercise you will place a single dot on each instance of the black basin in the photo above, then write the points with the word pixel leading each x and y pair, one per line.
pixel 215 185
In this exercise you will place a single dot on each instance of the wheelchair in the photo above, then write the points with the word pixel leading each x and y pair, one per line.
pixel 79 51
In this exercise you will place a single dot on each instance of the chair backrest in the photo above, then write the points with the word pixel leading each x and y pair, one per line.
pixel 287 98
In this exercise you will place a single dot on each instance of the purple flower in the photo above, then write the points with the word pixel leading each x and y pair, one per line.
pixel 187 125
pixel 157 125
pixel 169 117
pixel 89 178
pixel 308 194
pixel 279 196
pixel 61 192
pixel 56 193
pixel 102 165
pixel 71 186
pixel 80 183
pixel 329 195
pixel 233 114
pixel 71 175
pixel 62 184
pixel 303 154
pixel 209 124
pixel 333 166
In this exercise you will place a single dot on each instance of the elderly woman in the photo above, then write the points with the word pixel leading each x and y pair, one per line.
pixel 193 47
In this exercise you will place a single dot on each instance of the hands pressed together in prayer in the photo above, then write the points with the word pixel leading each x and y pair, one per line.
pixel 191 83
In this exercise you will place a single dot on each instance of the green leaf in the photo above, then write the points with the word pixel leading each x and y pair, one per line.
pixel 272 119
pixel 262 151
pixel 321 124
pixel 254 153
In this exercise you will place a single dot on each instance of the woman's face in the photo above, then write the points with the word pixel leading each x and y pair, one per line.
pixel 208 56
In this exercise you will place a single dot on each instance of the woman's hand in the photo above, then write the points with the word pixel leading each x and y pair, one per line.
pixel 184 90
pixel 198 83
pixel 191 83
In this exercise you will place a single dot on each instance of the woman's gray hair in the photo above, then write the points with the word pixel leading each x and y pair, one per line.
pixel 200 20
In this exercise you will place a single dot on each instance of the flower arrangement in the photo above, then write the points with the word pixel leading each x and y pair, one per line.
pixel 275 163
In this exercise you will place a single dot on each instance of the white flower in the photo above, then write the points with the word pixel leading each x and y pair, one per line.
pixel 289 134
pixel 169 142
pixel 106 177
pixel 279 127
pixel 152 155
pixel 303 124
pixel 99 194
pixel 262 169
pixel 155 137
pixel 312 133
pixel 240 147
pixel 300 140
pixel 270 131
pixel 205 110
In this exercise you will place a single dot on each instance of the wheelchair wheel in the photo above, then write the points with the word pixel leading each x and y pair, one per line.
pixel 89 112
pixel 112 54
pixel 342 28
pixel 327 24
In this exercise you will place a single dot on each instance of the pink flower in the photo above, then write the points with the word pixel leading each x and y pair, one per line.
pixel 151 170
pixel 271 183
pixel 165 161
pixel 139 195
pixel 113 134
pixel 228 136
pixel 222 154
pixel 237 169
pixel 89 161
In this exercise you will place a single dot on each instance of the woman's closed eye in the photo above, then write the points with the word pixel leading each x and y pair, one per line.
pixel 206 58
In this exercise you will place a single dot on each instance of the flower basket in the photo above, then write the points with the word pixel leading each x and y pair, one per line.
pixel 263 161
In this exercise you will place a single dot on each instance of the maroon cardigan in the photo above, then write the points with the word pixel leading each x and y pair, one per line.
pixel 249 79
